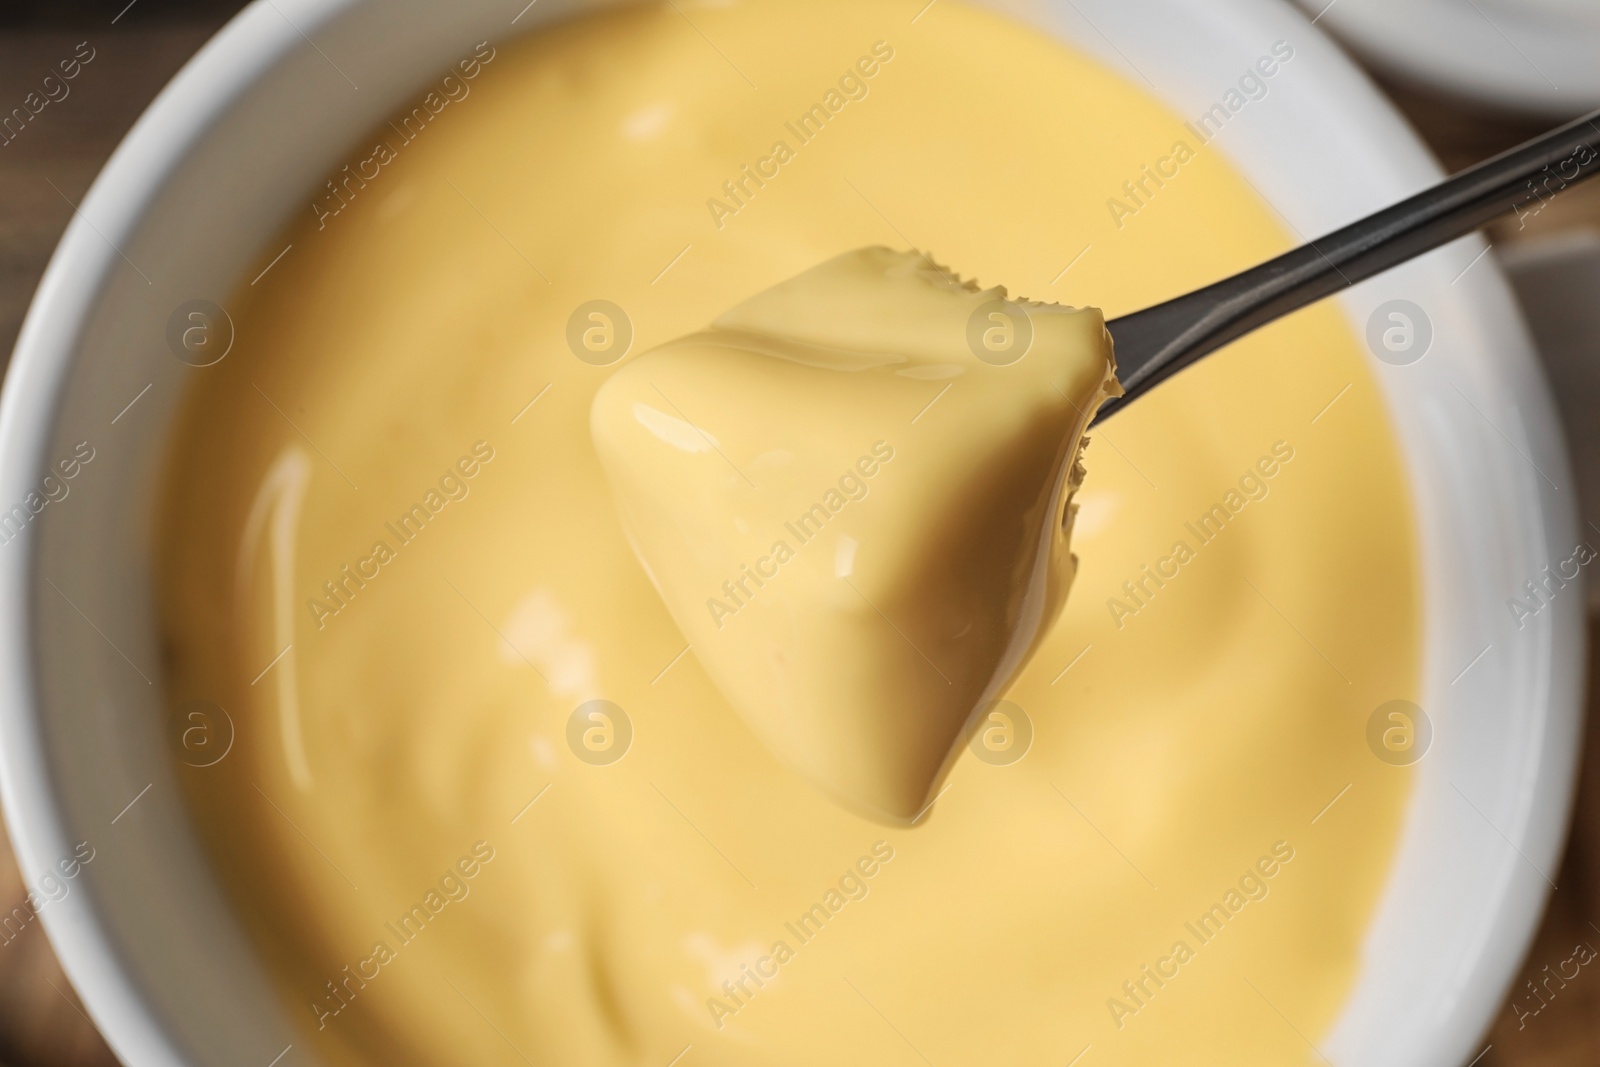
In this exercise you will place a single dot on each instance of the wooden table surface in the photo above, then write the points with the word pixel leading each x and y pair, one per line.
pixel 41 1020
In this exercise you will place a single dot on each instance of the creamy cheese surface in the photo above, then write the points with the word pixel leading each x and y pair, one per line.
pixel 859 642
pixel 486 805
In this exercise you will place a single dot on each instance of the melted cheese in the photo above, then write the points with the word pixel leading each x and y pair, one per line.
pixel 857 603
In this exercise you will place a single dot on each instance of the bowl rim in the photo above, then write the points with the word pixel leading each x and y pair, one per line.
pixel 204 88
pixel 1472 57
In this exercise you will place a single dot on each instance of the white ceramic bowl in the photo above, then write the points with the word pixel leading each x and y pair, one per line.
pixel 1536 56
pixel 187 208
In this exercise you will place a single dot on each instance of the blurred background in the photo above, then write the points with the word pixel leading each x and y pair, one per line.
pixel 1473 76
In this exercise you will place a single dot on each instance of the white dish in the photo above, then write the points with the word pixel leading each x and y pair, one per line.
pixel 1537 56
pixel 1557 282
pixel 226 155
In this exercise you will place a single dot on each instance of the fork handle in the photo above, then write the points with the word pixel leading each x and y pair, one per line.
pixel 1158 342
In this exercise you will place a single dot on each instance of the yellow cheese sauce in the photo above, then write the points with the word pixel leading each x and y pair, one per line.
pixel 484 805
pixel 966 544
